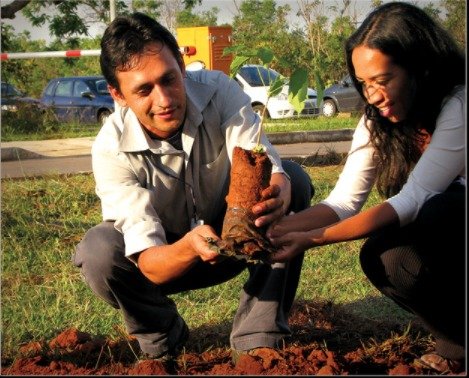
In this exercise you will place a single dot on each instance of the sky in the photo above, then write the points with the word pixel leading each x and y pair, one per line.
pixel 227 10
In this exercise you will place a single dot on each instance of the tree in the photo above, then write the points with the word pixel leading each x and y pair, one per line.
pixel 169 12
pixel 455 20
pixel 10 10
pixel 342 27
pixel 71 19
pixel 16 71
pixel 313 15
pixel 260 23
pixel 149 7
pixel 187 18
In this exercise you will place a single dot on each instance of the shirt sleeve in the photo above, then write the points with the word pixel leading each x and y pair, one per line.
pixel 116 182
pixel 440 164
pixel 357 177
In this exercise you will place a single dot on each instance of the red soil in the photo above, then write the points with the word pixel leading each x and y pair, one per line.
pixel 324 342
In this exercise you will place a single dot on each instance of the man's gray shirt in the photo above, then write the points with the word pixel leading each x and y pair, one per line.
pixel 149 188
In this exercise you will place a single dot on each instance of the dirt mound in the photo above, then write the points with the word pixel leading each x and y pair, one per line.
pixel 325 341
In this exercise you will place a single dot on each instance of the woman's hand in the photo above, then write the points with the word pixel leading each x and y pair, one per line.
pixel 280 228
pixel 289 244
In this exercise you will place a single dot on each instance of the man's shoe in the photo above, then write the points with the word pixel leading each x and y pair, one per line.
pixel 173 352
pixel 259 352
pixel 236 354
pixel 169 359
pixel 440 364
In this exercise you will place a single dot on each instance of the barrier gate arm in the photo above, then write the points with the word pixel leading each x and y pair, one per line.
pixel 185 50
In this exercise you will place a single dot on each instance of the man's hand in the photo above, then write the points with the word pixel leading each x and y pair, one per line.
pixel 198 240
pixel 275 201
pixel 164 263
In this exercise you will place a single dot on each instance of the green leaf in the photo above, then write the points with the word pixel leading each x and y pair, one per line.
pixel 236 64
pixel 265 55
pixel 298 89
pixel 259 149
pixel 319 87
pixel 235 49
pixel 276 86
pixel 240 50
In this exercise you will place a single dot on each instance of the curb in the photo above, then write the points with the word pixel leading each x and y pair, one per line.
pixel 18 153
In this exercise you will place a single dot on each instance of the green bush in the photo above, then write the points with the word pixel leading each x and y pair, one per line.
pixel 28 119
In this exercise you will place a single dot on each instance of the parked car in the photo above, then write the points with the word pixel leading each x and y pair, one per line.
pixel 255 81
pixel 341 97
pixel 84 99
pixel 12 99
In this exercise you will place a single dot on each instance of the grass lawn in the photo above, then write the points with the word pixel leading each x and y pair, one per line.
pixel 11 131
pixel 42 293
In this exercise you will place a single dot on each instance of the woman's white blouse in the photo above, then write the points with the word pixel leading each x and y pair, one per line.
pixel 443 161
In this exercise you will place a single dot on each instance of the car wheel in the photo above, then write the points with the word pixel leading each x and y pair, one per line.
pixel 103 116
pixel 328 108
pixel 258 109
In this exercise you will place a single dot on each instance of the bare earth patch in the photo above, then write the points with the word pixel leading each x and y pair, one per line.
pixel 325 341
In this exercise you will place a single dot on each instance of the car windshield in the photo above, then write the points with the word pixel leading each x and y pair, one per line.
pixel 258 76
pixel 101 86
pixel 9 90
pixel 347 79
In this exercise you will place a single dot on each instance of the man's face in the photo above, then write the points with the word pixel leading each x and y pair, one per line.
pixel 154 89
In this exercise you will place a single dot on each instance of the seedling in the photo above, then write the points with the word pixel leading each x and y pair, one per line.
pixel 251 169
pixel 297 83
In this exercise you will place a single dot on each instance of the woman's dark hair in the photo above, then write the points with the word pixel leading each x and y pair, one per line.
pixel 418 44
pixel 128 37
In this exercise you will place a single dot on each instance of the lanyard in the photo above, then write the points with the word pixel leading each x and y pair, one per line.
pixel 195 220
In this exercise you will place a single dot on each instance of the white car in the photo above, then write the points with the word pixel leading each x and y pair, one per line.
pixel 257 86
pixel 255 81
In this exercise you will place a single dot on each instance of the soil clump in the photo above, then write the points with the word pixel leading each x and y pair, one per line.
pixel 250 174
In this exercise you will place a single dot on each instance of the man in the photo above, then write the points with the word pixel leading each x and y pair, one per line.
pixel 162 166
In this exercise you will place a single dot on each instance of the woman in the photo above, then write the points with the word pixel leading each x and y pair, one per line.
pixel 410 143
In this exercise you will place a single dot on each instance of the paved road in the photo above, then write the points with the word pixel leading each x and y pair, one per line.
pixel 44 166
pixel 305 153
pixel 28 159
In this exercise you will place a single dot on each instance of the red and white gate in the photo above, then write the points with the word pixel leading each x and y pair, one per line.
pixel 185 50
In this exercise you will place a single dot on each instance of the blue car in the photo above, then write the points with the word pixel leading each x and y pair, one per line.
pixel 83 99
pixel 12 99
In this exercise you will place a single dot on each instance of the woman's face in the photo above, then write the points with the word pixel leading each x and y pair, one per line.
pixel 385 85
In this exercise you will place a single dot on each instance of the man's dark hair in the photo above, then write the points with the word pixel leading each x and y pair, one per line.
pixel 128 37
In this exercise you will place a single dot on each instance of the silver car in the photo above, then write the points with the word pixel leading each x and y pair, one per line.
pixel 342 97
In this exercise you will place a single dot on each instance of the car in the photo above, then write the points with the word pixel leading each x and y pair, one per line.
pixel 342 97
pixel 255 81
pixel 84 99
pixel 13 99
